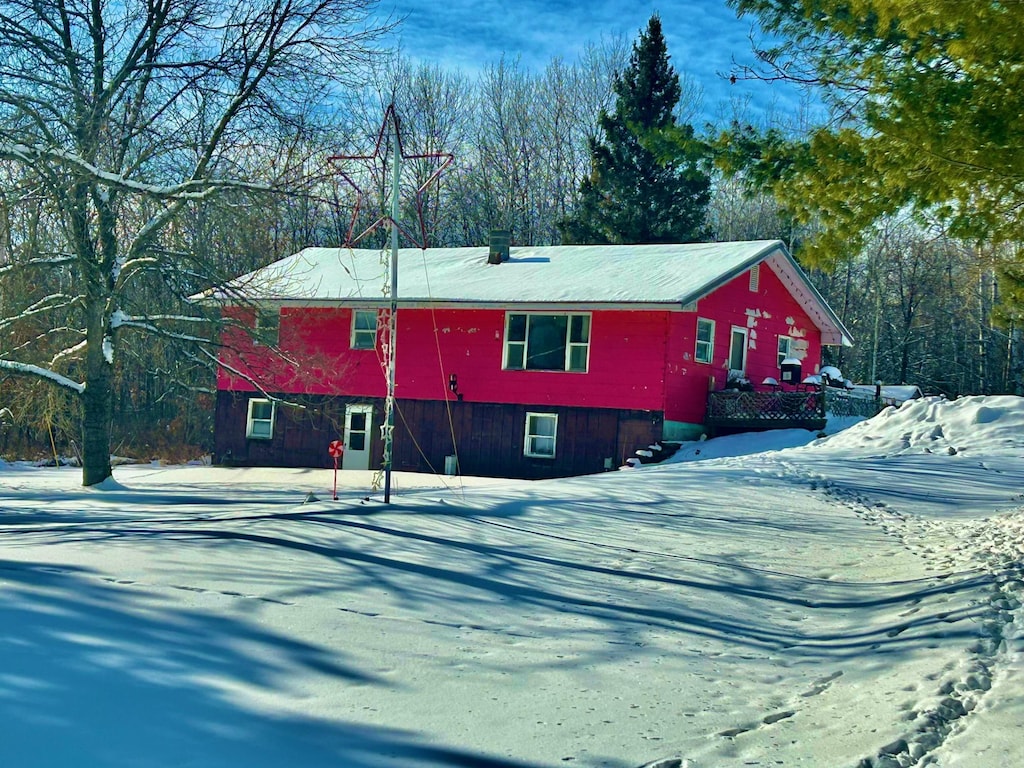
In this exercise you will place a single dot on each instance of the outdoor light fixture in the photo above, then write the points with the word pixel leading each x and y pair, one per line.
pixel 453 385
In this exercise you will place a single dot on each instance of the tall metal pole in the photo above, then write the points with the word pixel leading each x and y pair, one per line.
pixel 389 402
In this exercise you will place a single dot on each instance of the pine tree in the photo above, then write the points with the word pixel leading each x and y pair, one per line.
pixel 634 195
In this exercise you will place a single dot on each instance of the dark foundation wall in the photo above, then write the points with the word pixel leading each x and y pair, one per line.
pixel 488 437
pixel 301 432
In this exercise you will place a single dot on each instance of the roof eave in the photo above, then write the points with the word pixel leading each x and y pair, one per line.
pixel 833 332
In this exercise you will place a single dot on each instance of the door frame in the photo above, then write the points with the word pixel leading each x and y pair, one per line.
pixel 353 459
pixel 738 329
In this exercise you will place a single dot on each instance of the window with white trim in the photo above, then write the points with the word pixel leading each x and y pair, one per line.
pixel 704 351
pixel 536 342
pixel 785 343
pixel 267 327
pixel 364 329
pixel 259 421
pixel 541 434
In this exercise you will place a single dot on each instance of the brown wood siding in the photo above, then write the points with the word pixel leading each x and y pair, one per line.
pixel 488 437
pixel 302 432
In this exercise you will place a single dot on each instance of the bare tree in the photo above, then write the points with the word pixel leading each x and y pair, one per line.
pixel 118 117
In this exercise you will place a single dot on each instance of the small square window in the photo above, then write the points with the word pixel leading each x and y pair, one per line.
pixel 541 434
pixel 267 327
pixel 364 329
pixel 705 347
pixel 259 423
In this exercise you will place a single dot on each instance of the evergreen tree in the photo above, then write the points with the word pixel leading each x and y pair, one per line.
pixel 634 195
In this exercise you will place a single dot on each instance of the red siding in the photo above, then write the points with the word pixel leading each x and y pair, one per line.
pixel 627 359
pixel 318 339
pixel 768 313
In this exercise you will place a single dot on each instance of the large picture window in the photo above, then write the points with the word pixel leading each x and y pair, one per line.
pixel 705 349
pixel 536 342
pixel 541 434
pixel 259 422
pixel 364 329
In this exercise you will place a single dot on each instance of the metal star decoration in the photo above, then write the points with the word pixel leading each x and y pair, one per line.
pixel 379 160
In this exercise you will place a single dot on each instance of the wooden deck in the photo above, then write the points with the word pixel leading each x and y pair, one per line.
pixel 735 411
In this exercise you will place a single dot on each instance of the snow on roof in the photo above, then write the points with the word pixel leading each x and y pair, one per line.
pixel 896 393
pixel 676 275
pixel 551 274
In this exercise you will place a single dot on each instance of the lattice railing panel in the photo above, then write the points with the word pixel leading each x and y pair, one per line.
pixel 765 406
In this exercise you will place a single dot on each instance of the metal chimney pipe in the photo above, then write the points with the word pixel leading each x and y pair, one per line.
pixel 498 250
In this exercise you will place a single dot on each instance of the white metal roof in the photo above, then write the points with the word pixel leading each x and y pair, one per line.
pixel 636 275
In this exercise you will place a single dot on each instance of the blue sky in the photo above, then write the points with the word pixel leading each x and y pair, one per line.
pixel 704 38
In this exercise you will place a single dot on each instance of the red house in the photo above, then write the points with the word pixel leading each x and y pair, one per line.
pixel 532 362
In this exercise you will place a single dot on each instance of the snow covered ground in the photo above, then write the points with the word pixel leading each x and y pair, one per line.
pixel 852 601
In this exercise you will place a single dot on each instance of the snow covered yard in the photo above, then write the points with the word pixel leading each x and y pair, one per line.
pixel 853 601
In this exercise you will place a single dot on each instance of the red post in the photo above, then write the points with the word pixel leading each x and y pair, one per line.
pixel 336 450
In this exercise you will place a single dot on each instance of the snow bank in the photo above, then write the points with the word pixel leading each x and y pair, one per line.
pixel 993 425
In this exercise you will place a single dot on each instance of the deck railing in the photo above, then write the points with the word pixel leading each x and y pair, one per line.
pixel 779 409
pixel 734 405
pixel 839 402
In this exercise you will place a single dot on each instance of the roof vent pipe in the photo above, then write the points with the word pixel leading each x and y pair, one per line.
pixel 498 250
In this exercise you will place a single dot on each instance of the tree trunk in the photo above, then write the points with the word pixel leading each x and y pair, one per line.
pixel 97 410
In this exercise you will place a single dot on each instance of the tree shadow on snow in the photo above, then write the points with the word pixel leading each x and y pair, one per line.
pixel 94 673
pixel 722 600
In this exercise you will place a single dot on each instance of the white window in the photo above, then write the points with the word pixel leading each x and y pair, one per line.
pixel 536 342
pixel 259 423
pixel 784 346
pixel 267 327
pixel 364 329
pixel 738 349
pixel 705 350
pixel 541 432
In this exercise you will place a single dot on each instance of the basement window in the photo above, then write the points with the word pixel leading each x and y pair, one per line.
pixel 536 342
pixel 259 422
pixel 541 433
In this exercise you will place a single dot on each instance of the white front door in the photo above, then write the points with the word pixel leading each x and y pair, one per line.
pixel 358 423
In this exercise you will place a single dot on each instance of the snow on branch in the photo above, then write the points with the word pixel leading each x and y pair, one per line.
pixel 143 324
pixel 45 304
pixel 69 352
pixel 64 329
pixel 42 373
pixel 192 189
pixel 119 318
pixel 44 261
